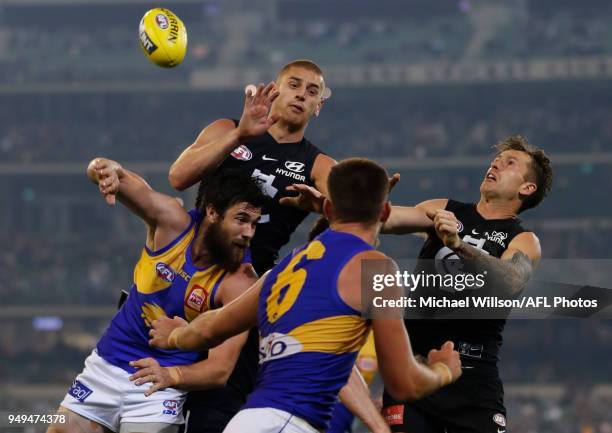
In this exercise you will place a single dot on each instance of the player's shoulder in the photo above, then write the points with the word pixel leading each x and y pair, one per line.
pixel 527 239
pixel 235 283
pixel 245 273
pixel 219 127
pixel 367 260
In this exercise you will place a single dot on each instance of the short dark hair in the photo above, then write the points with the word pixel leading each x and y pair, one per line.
pixel 358 189
pixel 540 170
pixel 300 63
pixel 224 190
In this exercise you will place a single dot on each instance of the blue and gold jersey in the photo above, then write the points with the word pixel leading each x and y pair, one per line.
pixel 309 336
pixel 166 283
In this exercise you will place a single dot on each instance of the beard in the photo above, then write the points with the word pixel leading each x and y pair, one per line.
pixel 222 251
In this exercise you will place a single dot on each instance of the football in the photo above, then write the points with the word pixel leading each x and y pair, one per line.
pixel 163 37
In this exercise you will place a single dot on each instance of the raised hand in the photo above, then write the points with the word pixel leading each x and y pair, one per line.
pixel 447 227
pixel 308 199
pixel 106 174
pixel 255 118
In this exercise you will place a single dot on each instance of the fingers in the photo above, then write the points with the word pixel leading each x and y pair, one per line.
pixel 152 389
pixel 272 120
pixel 143 376
pixel 393 180
pixel 289 201
pixel 449 345
pixel 101 163
pixel 268 89
pixel 143 363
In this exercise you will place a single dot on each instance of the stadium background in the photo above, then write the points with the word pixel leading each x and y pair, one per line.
pixel 425 87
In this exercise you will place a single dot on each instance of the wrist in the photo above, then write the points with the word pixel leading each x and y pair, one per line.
pixel 173 338
pixel 239 136
pixel 456 245
pixel 445 376
pixel 176 376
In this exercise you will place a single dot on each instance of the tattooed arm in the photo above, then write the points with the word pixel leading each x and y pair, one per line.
pixel 510 272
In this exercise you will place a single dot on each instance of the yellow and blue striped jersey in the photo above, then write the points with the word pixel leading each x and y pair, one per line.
pixel 166 283
pixel 309 336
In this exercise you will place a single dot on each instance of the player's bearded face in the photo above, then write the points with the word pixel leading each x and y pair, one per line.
pixel 299 96
pixel 228 238
pixel 507 174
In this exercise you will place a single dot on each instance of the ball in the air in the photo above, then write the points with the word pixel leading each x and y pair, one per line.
pixel 163 37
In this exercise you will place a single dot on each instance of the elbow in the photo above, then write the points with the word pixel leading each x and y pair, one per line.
pixel 176 180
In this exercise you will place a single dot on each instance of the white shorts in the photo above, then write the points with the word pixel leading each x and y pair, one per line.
pixel 267 420
pixel 104 394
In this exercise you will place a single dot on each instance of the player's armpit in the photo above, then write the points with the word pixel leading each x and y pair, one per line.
pixel 205 154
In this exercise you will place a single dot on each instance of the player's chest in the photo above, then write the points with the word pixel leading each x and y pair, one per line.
pixel 276 166
pixel 176 287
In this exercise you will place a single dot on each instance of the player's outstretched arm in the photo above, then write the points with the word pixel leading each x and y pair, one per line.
pixel 211 328
pixel 407 219
pixel 510 273
pixel 163 214
pixel 404 377
pixel 221 137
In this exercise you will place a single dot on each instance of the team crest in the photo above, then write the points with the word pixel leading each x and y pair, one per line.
pixel 242 153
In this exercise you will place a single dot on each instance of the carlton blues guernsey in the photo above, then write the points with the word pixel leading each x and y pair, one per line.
pixel 476 339
pixel 276 165
pixel 475 402
pixel 310 337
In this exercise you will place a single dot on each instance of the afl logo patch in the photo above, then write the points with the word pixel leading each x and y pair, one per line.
pixel 499 419
pixel 295 166
pixel 242 153
pixel 162 21
pixel 459 226
pixel 197 298
pixel 164 272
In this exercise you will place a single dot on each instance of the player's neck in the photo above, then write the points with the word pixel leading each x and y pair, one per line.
pixel 282 132
pixel 201 257
pixel 367 233
pixel 492 209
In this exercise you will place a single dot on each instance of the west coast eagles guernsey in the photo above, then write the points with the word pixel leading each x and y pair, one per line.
pixel 166 283
pixel 309 336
